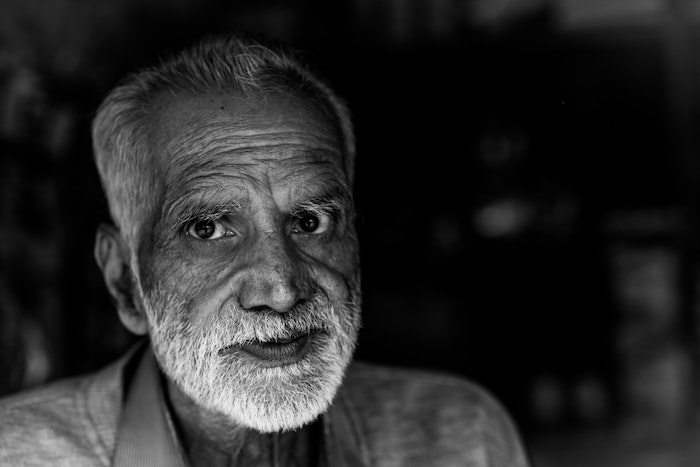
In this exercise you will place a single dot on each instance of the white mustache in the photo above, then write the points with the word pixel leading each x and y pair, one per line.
pixel 236 326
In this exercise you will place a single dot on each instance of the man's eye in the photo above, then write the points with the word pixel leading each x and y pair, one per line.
pixel 312 223
pixel 208 229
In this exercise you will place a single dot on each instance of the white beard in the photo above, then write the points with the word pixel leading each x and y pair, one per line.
pixel 252 395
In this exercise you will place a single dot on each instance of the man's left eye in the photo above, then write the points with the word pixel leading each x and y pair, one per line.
pixel 312 223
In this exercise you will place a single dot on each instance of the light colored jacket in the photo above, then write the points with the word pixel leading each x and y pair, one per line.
pixel 395 417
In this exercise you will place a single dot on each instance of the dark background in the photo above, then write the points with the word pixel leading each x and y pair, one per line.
pixel 527 184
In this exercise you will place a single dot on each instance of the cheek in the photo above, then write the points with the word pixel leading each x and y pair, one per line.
pixel 174 278
pixel 200 280
pixel 336 269
pixel 344 256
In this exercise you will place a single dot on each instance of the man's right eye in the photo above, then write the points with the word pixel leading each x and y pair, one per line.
pixel 208 229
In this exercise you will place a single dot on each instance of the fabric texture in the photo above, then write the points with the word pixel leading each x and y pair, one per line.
pixel 381 417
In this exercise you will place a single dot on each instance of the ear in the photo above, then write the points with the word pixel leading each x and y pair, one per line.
pixel 112 257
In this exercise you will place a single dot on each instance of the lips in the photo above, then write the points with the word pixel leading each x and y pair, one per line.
pixel 277 352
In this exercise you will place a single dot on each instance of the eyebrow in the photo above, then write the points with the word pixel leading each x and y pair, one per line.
pixel 186 209
pixel 335 199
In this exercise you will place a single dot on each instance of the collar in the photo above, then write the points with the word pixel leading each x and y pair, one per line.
pixel 146 434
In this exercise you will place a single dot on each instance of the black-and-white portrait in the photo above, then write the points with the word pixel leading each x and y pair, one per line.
pixel 355 233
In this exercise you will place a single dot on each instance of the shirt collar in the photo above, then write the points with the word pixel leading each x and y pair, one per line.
pixel 146 435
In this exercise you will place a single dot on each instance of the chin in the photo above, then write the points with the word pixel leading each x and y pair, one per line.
pixel 281 403
pixel 286 397
pixel 265 399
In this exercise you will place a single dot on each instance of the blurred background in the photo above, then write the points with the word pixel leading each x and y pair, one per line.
pixel 527 184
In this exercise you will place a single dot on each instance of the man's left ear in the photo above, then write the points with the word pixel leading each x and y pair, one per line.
pixel 112 257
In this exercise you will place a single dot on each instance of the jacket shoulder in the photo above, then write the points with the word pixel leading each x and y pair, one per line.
pixel 430 417
pixel 67 422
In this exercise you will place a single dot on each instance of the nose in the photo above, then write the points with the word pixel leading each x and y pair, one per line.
pixel 274 278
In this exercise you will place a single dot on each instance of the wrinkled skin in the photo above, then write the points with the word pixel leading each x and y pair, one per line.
pixel 251 236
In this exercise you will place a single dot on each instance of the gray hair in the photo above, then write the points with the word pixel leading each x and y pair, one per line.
pixel 223 63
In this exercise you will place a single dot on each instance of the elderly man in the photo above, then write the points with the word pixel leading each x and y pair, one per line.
pixel 228 172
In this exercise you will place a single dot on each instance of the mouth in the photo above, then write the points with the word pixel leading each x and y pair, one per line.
pixel 276 352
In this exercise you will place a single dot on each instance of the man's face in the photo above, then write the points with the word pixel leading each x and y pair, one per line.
pixel 248 268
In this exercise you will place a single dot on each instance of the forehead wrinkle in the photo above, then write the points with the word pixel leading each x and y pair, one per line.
pixel 323 187
pixel 225 136
pixel 288 162
pixel 205 159
pixel 203 171
pixel 327 173
pixel 292 161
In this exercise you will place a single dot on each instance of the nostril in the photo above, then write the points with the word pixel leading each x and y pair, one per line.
pixel 260 309
pixel 268 309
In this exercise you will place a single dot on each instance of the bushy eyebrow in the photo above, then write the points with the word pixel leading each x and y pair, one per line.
pixel 334 200
pixel 186 211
